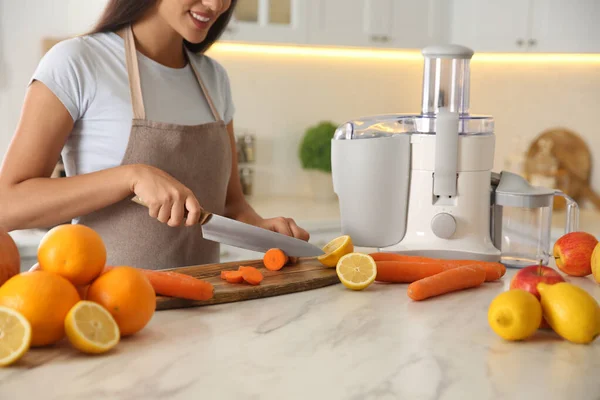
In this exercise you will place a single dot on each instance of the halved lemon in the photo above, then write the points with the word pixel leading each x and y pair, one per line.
pixel 335 250
pixel 91 328
pixel 356 270
pixel 15 336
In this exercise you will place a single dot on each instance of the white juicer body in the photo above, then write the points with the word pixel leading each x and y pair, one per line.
pixel 437 201
pixel 450 226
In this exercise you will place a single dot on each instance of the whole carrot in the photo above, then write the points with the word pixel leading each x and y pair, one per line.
pixel 384 256
pixel 175 284
pixel 451 280
pixel 405 271
pixel 494 270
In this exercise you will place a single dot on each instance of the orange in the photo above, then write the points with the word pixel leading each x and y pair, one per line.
pixel 75 252
pixel 10 259
pixel 128 295
pixel 44 299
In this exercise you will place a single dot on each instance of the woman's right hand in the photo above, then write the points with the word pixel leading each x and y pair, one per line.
pixel 167 198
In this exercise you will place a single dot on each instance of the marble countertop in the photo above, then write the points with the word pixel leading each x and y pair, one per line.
pixel 329 343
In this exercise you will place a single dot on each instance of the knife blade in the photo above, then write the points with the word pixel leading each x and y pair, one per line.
pixel 224 230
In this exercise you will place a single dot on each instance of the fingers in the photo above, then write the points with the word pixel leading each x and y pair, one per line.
pixel 153 209
pixel 166 198
pixel 297 231
pixel 281 225
pixel 288 226
pixel 164 214
pixel 194 210
pixel 177 213
pixel 171 209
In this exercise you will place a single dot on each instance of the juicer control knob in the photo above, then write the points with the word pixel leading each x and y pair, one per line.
pixel 443 225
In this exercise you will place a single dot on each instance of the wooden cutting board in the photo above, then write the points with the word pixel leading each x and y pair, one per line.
pixel 305 275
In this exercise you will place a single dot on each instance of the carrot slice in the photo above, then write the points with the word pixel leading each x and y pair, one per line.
pixel 494 270
pixel 251 275
pixel 234 277
pixel 175 284
pixel 275 259
pixel 451 280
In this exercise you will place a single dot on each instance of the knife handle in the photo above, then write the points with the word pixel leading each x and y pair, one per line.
pixel 204 215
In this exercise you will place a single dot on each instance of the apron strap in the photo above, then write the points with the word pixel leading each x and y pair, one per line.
pixel 135 86
pixel 133 73
pixel 213 109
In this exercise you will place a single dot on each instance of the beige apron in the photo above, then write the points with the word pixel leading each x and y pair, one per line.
pixel 199 156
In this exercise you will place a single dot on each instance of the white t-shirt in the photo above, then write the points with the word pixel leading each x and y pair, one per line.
pixel 89 76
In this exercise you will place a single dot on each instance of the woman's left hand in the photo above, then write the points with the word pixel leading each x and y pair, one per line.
pixel 286 226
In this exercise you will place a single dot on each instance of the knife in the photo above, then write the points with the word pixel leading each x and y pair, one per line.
pixel 235 233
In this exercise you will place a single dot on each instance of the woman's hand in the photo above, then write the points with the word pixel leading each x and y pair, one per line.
pixel 167 198
pixel 286 226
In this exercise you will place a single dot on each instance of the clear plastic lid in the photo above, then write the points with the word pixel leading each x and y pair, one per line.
pixel 399 124
pixel 446 75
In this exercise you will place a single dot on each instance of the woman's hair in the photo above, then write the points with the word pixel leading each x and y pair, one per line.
pixel 121 13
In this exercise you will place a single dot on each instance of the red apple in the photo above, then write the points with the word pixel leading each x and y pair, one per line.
pixel 527 279
pixel 573 253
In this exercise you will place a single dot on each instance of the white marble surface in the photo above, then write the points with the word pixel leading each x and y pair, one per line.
pixel 329 343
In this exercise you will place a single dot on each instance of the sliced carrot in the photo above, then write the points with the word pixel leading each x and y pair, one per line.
pixel 405 271
pixel 224 274
pixel 494 270
pixel 275 259
pixel 175 284
pixel 451 280
pixel 234 277
pixel 251 275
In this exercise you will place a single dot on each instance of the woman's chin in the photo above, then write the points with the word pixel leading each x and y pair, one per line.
pixel 194 35
pixel 195 38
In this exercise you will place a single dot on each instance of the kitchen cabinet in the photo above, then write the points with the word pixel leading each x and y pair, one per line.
pixel 268 21
pixel 363 23
pixel 491 25
pixel 565 27
pixel 376 23
pixel 484 25
pixel 548 26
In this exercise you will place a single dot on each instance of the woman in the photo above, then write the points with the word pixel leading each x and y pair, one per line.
pixel 137 109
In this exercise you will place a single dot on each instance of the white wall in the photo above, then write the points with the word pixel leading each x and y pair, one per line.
pixel 23 24
pixel 278 97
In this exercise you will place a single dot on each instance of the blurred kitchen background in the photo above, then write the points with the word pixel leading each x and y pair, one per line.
pixel 298 68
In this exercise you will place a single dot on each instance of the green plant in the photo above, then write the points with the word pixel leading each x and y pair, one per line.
pixel 315 148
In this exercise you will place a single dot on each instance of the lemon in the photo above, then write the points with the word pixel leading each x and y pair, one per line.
pixel 335 250
pixel 15 336
pixel 515 314
pixel 571 311
pixel 356 270
pixel 91 328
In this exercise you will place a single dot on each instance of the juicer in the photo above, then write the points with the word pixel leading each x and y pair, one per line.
pixel 422 183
